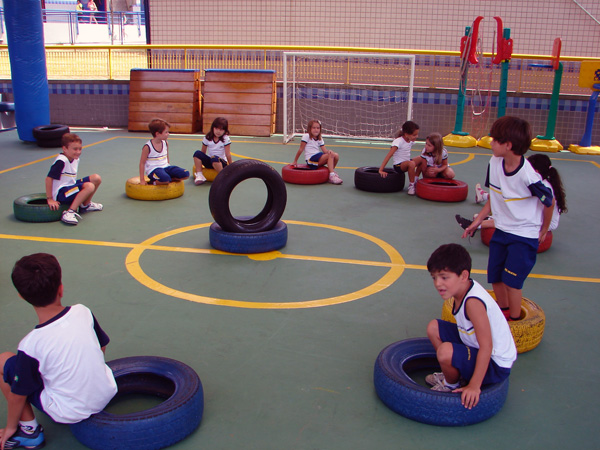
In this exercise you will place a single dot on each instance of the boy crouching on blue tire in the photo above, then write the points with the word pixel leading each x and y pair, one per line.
pixel 479 348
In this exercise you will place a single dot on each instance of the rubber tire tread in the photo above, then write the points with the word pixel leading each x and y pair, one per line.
pixel 302 174
pixel 248 243
pixel 527 332
pixel 368 179
pixel 442 190
pixel 487 233
pixel 136 191
pixel 34 208
pixel 155 428
pixel 402 395
pixel 49 136
pixel 224 184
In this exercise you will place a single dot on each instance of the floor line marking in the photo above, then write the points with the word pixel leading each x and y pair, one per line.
pixel 165 248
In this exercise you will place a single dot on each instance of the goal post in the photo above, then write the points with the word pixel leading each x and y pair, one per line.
pixel 355 95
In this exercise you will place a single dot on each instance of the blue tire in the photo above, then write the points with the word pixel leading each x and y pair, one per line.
pixel 260 242
pixel 402 395
pixel 155 428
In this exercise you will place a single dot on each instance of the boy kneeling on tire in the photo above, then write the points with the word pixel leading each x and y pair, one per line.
pixel 479 349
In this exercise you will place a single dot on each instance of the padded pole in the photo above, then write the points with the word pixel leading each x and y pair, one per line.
pixel 25 36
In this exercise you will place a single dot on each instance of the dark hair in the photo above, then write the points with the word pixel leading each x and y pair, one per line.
pixel 309 126
pixel 451 257
pixel 157 126
pixel 514 130
pixel 219 122
pixel 408 127
pixel 543 165
pixel 67 138
pixel 37 278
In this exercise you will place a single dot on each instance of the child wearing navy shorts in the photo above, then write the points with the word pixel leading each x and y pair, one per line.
pixel 479 348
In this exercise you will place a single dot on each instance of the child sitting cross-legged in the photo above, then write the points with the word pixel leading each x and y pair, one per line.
pixel 479 348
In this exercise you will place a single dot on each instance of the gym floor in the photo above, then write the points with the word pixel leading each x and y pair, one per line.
pixel 285 345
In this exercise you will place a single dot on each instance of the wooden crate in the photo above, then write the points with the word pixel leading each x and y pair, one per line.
pixel 246 98
pixel 171 95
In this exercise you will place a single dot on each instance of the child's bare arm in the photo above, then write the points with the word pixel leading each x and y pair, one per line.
pixel 52 204
pixel 385 161
pixel 228 154
pixel 485 211
pixel 299 152
pixel 142 168
pixel 15 406
pixel 476 311
pixel 548 211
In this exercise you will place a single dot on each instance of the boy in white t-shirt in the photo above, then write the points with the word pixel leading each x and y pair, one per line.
pixel 400 154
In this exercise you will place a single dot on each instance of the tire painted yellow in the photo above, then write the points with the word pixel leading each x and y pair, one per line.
pixel 133 189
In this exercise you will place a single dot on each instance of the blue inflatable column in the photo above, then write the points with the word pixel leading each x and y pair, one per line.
pixel 25 36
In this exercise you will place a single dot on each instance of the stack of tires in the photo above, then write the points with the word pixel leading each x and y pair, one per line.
pixel 262 233
pixel 50 136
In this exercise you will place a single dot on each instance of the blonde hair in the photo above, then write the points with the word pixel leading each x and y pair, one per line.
pixel 435 139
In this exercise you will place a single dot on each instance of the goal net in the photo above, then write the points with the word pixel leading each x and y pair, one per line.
pixel 358 95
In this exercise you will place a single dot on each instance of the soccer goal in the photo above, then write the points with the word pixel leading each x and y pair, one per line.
pixel 358 95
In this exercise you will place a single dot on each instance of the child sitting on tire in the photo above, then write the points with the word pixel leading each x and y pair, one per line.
pixel 434 159
pixel 400 154
pixel 479 348
pixel 62 185
pixel 59 366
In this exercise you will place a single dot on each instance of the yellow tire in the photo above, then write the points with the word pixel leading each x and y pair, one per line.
pixel 133 189
pixel 526 332
pixel 209 174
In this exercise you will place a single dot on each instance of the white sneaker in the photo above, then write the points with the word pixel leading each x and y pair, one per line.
pixel 70 217
pixel 411 189
pixel 91 207
pixel 199 178
pixel 334 178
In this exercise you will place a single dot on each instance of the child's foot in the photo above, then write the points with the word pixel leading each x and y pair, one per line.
pixel 21 439
pixel 334 178
pixel 434 378
pixel 411 189
pixel 199 178
pixel 70 217
pixel 91 207
pixel 464 222
pixel 480 195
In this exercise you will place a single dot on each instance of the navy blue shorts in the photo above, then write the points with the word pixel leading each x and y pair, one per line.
pixel 207 161
pixel 464 357
pixel 9 375
pixel 166 174
pixel 313 162
pixel 511 258
pixel 67 194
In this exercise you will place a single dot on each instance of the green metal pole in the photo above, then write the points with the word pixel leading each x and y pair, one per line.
pixel 462 88
pixel 503 80
pixel 551 124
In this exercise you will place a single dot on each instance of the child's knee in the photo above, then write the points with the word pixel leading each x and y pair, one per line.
pixel 96 179
pixel 444 353
pixel 5 356
pixel 433 330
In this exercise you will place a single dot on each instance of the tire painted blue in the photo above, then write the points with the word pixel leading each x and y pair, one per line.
pixel 155 428
pixel 260 242
pixel 25 36
pixel 402 395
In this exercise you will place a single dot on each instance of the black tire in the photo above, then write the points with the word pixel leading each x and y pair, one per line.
pixel 34 208
pixel 261 242
pixel 368 179
pixel 50 136
pixel 409 399
pixel 159 427
pixel 229 178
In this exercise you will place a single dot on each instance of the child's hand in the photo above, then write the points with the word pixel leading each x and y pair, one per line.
pixel 470 396
pixel 469 231
pixel 5 435
pixel 383 173
pixel 53 204
pixel 143 182
pixel 542 237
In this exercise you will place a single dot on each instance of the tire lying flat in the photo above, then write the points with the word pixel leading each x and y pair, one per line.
pixel 260 242
pixel 302 174
pixel 137 191
pixel 49 136
pixel 442 190
pixel 368 179
pixel 155 428
pixel 34 208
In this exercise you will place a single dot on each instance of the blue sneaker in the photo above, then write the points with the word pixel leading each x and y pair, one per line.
pixel 23 440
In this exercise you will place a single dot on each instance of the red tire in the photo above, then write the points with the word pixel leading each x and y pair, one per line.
pixel 442 190
pixel 302 174
pixel 486 237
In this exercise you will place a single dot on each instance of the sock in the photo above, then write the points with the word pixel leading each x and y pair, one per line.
pixel 451 385
pixel 28 426
pixel 506 312
pixel 84 206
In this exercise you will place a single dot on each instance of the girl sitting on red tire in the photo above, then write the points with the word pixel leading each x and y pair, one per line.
pixel 434 159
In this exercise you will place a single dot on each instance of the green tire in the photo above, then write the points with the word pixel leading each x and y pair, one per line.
pixel 34 208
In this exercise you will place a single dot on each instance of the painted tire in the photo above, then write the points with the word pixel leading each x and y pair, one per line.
pixel 368 179
pixel 49 136
pixel 225 183
pixel 404 396
pixel 261 242
pixel 526 332
pixel 34 208
pixel 155 428
pixel 302 174
pixel 133 189
pixel 487 233
pixel 442 190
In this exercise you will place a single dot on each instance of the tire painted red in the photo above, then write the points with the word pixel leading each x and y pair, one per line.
pixel 302 174
pixel 442 190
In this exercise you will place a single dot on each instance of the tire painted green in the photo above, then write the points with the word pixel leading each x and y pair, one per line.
pixel 34 208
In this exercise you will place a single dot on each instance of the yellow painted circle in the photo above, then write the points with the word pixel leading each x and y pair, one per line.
pixel 396 268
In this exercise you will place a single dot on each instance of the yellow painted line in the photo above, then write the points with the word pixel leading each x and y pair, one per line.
pixel 470 157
